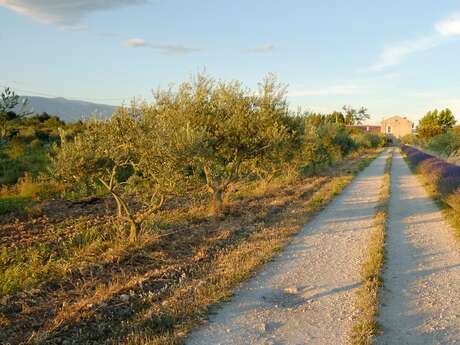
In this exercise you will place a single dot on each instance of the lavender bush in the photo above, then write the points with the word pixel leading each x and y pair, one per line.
pixel 444 176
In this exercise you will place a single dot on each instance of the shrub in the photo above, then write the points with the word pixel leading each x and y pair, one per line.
pixel 368 140
pixel 323 145
pixel 28 188
pixel 13 203
pixel 446 144
pixel 410 139
pixel 40 188
pixel 415 156
pixel 444 176
pixel 453 200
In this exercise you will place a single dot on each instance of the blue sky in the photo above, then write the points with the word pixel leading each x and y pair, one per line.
pixel 394 57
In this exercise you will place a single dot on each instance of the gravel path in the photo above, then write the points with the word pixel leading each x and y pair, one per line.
pixel 305 295
pixel 420 297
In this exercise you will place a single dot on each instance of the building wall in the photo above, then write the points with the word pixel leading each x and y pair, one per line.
pixel 396 126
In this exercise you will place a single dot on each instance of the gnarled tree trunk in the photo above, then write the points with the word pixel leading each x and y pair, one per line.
pixel 217 202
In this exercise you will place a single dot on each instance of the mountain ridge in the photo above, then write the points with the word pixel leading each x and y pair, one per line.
pixel 66 109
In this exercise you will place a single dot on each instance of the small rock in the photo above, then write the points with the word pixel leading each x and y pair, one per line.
pixel 262 327
pixel 124 298
pixel 292 290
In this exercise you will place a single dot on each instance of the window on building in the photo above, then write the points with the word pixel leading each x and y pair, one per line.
pixel 389 129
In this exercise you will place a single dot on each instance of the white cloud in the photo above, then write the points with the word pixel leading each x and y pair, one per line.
pixel 339 89
pixel 64 13
pixel 173 49
pixel 264 48
pixel 449 26
pixel 394 55
pixel 167 49
pixel 134 42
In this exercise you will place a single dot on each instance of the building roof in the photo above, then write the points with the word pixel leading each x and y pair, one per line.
pixel 397 117
pixel 366 128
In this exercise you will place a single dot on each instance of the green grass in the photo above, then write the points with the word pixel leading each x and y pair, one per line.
pixel 16 163
pixel 22 268
pixel 14 203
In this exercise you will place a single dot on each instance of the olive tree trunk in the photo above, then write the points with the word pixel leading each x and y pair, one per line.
pixel 217 202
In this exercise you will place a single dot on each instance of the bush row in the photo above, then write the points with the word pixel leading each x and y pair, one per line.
pixel 444 176
pixel 202 136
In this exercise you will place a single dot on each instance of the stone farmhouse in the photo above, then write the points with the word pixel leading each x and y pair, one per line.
pixel 394 127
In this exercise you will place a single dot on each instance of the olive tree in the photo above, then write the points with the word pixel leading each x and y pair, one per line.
pixel 284 157
pixel 127 155
pixel 228 127
pixel 104 153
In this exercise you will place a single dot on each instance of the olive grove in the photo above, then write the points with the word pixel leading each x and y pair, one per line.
pixel 203 134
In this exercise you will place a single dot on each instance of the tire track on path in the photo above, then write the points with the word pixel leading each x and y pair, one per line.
pixel 306 295
pixel 420 298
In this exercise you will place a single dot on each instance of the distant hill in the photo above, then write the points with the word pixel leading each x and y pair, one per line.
pixel 68 110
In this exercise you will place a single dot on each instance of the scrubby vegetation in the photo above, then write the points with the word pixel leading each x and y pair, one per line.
pixel 149 217
pixel 25 144
pixel 437 134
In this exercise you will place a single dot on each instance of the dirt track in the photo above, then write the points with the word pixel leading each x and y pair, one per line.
pixel 420 299
pixel 306 295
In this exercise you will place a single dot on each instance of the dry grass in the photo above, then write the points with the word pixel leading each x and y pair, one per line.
pixel 155 291
pixel 367 301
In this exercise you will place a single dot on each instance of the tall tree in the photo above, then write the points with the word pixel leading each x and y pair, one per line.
pixel 8 102
pixel 435 122
pixel 355 116
pixel 446 119
pixel 337 117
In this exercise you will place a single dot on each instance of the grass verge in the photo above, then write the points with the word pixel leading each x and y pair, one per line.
pixel 367 301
